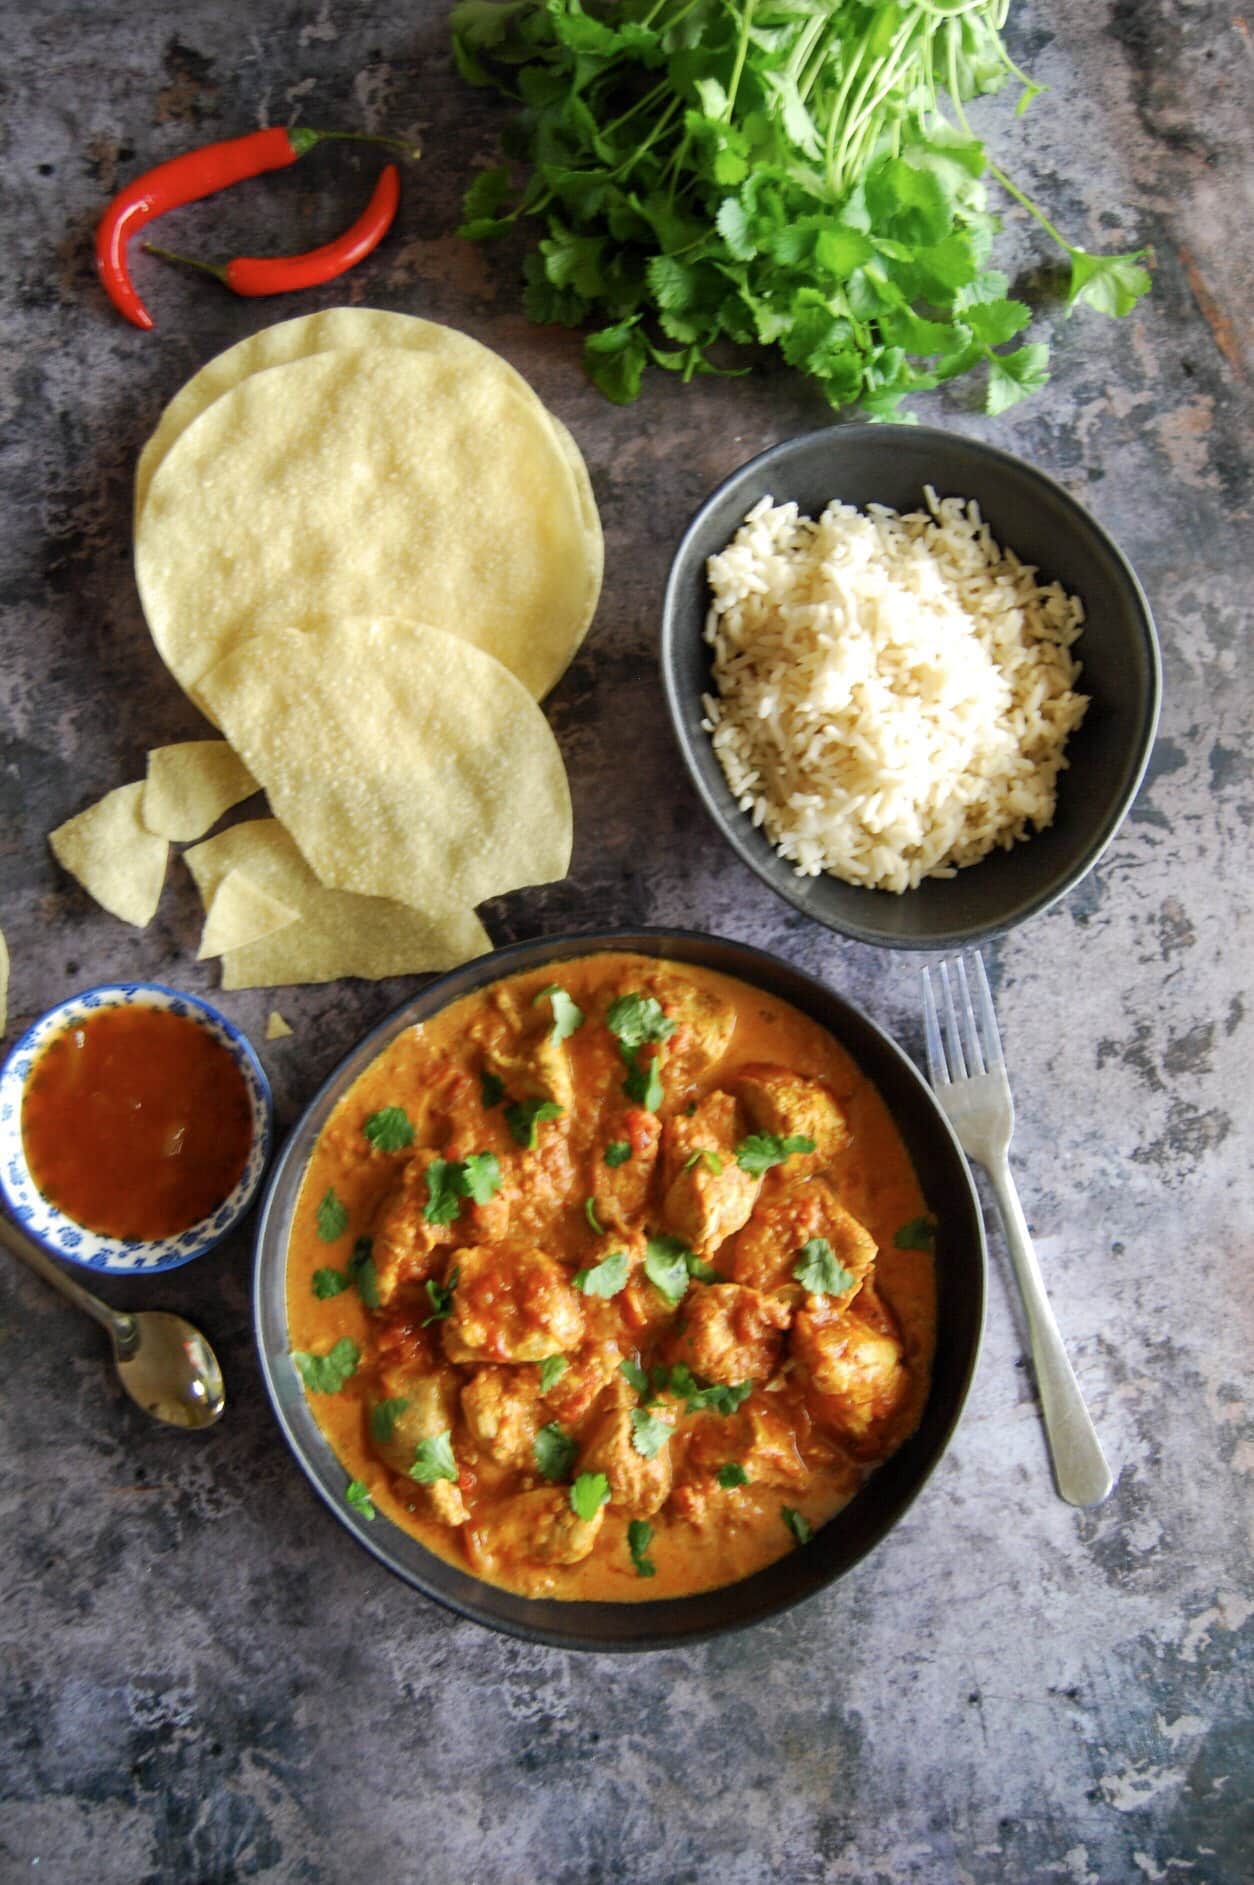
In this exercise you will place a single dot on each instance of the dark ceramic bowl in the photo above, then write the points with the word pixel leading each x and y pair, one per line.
pixel 1029 513
pixel 946 1182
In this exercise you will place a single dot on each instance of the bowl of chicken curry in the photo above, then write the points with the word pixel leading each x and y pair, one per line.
pixel 620 1289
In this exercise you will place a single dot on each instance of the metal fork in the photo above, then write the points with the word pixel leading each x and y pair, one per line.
pixel 968 1072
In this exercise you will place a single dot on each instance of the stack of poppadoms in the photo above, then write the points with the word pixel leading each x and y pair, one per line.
pixel 365 549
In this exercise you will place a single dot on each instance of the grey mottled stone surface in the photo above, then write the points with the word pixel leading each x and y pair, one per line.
pixel 203 1678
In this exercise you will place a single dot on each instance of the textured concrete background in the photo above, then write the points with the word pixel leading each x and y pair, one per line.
pixel 203 1678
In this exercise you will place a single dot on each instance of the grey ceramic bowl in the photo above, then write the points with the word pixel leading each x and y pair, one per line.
pixel 1029 513
pixel 960 1259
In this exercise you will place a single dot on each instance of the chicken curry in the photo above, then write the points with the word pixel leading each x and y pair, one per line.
pixel 612 1281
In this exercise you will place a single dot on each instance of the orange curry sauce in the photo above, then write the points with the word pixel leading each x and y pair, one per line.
pixel 136 1122
pixel 474 1373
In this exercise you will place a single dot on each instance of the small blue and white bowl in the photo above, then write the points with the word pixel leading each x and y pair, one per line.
pixel 59 1234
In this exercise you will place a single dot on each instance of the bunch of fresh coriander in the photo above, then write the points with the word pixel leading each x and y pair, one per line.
pixel 722 174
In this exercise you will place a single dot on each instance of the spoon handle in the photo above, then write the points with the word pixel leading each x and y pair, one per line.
pixel 121 1328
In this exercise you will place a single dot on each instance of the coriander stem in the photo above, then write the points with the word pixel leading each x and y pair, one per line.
pixel 1012 189
pixel 742 51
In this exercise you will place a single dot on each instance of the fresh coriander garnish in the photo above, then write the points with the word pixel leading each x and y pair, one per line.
pixel 649 1434
pixel 819 1270
pixel 332 1219
pixel 523 1116
pixel 443 1196
pixel 635 1019
pixel 643 1083
pixel 362 1272
pixel 699 1270
pixel 639 1538
pixel 605 1278
pixel 328 1283
pixel 797 1523
pixel 440 1296
pixel 617 1152
pixel 704 1156
pixel 480 1177
pixel 390 1130
pixel 434 1459
pixel 761 1150
pixel 567 1014
pixel 383 1418
pixel 554 1452
pixel 666 1265
pixel 634 1375
pixel 718 1398
pixel 492 1089
pixel 590 1212
pixel 551 1372
pixel 588 1494
pixel 358 1495
pixel 918 1234
pixel 326 1374
pixel 731 1475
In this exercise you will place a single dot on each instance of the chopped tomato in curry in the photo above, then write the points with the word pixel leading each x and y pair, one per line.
pixel 611 1246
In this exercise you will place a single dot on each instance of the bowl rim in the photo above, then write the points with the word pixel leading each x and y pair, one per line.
pixel 271 1239
pixel 118 1256
pixel 751 846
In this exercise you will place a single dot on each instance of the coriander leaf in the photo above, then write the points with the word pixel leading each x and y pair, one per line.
pixel 617 1152
pixel 666 1266
pixel 480 1177
pixel 362 1272
pixel 326 1374
pixel 995 322
pixel 492 1088
pixel 590 1212
pixel 798 1525
pixel 761 1150
pixel 643 1083
pixel 819 1270
pixel 1012 376
pixel 615 358
pixel 332 1219
pixel 554 1452
pixel 918 1234
pixel 1113 284
pixel 434 1459
pixel 704 1156
pixel 639 1538
pixel 635 1375
pixel 383 1418
pixel 390 1130
pixel 444 1199
pixel 606 1278
pixel 329 1283
pixel 486 194
pixel 699 1270
pixel 588 1494
pixel 731 1476
pixel 567 1015
pixel 649 1434
pixel 715 1399
pixel 440 1296
pixel 551 1372
pixel 524 1116
pixel 358 1495
pixel 635 1019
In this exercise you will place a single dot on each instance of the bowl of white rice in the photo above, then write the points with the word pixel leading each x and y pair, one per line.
pixel 915 683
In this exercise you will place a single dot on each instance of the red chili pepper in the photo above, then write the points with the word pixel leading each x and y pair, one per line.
pixel 187 179
pixel 277 274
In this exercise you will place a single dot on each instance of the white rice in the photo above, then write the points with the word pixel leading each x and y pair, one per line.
pixel 894 693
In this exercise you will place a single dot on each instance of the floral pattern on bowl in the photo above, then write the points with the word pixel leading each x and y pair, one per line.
pixel 59 1234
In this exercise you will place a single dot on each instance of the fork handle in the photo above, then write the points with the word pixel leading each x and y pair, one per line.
pixel 1080 1469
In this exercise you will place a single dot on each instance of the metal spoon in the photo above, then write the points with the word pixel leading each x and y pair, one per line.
pixel 166 1366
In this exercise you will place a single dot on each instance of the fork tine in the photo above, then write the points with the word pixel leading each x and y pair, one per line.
pixel 953 1033
pixel 938 1072
pixel 989 1029
pixel 971 1033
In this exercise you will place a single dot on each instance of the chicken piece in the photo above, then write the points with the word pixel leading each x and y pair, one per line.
pixel 782 1102
pixel 855 1366
pixel 535 1184
pixel 591 1370
pixel 765 1253
pixel 407 1249
pixel 502 1410
pixel 708 1197
pixel 621 1191
pixel 638 1486
pixel 430 1409
pixel 760 1436
pixel 728 1334
pixel 532 1528
pixel 704 1025
pixel 519 1048
pixel 510 1303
